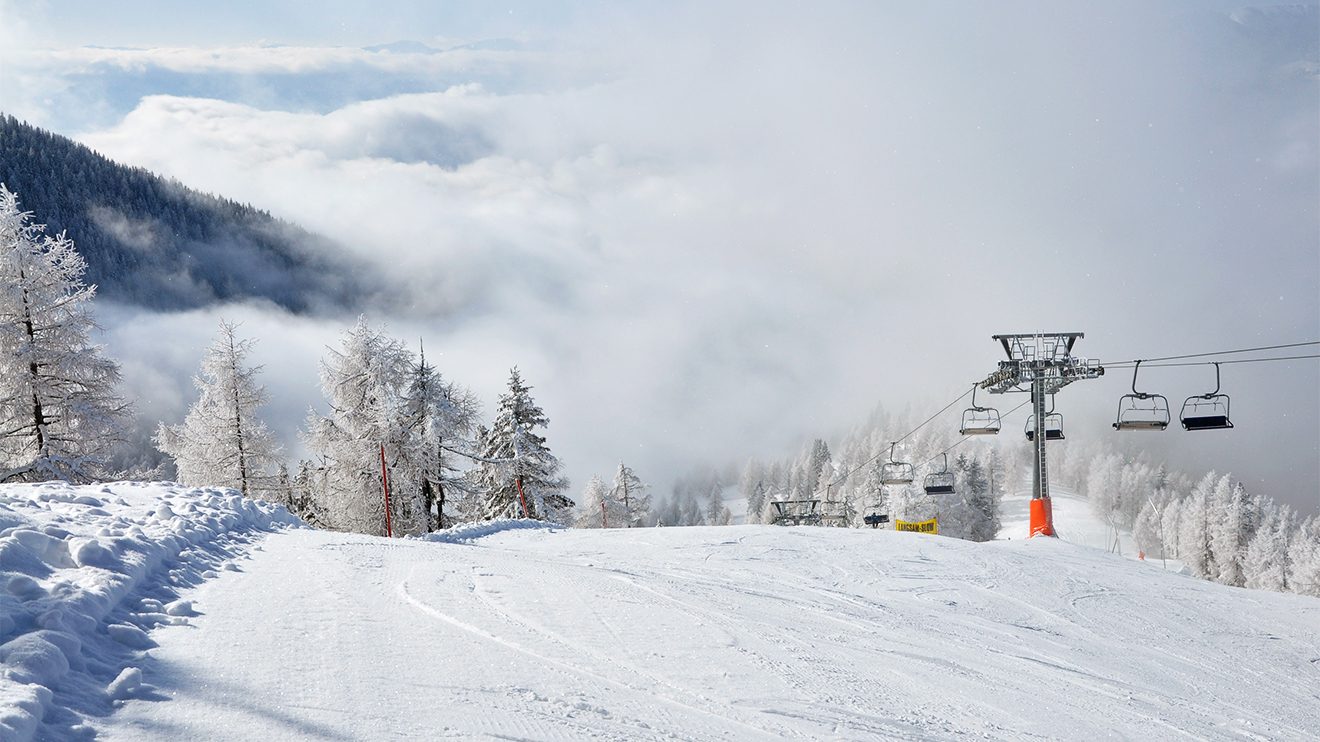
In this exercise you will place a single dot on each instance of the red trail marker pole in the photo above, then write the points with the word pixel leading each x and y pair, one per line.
pixel 522 498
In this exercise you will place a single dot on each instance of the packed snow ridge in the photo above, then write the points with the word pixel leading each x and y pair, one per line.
pixel 86 573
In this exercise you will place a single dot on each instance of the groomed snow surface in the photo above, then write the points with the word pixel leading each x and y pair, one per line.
pixel 511 631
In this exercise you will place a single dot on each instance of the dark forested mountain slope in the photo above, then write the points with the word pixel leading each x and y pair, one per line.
pixel 153 242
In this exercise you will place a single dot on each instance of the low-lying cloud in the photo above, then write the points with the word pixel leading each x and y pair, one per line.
pixel 735 230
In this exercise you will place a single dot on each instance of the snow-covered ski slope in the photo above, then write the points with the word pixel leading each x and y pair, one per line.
pixel 86 573
pixel 748 632
pixel 1073 520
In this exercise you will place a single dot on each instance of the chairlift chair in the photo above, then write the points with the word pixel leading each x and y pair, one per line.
pixel 1053 425
pixel 1142 410
pixel 896 472
pixel 1206 411
pixel 874 520
pixel 940 482
pixel 978 420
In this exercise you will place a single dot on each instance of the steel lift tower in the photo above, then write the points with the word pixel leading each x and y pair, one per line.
pixel 1040 364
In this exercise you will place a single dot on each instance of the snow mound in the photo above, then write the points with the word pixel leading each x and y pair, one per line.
pixel 86 572
pixel 469 532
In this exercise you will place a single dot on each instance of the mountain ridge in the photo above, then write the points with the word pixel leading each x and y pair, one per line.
pixel 154 242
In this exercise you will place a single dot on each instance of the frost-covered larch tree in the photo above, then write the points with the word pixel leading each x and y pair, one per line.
pixel 753 487
pixel 60 414
pixel 1304 558
pixel 439 416
pixel 1267 564
pixel 1231 530
pixel 363 385
pixel 598 509
pixel 222 441
pixel 716 514
pixel 1194 526
pixel 632 495
pixel 519 475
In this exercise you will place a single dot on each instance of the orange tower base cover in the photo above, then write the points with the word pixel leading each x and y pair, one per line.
pixel 1042 517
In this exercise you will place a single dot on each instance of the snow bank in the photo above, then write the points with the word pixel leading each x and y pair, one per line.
pixel 472 531
pixel 85 574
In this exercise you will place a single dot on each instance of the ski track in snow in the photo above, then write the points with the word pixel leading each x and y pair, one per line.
pixel 513 631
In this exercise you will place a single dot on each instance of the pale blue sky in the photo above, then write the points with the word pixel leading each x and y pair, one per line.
pixel 333 22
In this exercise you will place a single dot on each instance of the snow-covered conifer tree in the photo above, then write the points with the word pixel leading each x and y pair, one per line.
pixel 817 459
pixel 631 493
pixel 1231 530
pixel 1267 564
pixel 1171 523
pixel 222 442
pixel 515 455
pixel 716 514
pixel 1148 529
pixel 363 385
pixel 1304 558
pixel 692 514
pixel 753 487
pixel 874 495
pixel 983 522
pixel 438 415
pixel 60 415
pixel 598 509
pixel 1194 534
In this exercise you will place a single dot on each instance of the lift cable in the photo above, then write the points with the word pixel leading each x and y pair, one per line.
pixel 963 439
pixel 1128 364
pixel 1211 363
pixel 844 477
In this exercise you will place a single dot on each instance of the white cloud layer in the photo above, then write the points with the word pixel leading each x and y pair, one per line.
pixel 738 229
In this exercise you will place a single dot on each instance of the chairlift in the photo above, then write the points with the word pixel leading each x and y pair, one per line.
pixel 1206 411
pixel 1142 410
pixel 978 420
pixel 1053 424
pixel 896 472
pixel 940 482
pixel 874 520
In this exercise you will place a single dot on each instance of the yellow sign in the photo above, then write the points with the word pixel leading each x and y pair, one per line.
pixel 918 526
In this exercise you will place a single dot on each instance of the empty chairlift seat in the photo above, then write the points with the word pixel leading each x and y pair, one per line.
pixel 1142 410
pixel 940 482
pixel 1206 411
pixel 1053 427
pixel 896 472
pixel 978 420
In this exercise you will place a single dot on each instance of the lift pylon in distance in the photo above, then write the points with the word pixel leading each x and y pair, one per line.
pixel 1206 411
pixel 1038 364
